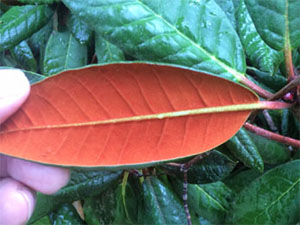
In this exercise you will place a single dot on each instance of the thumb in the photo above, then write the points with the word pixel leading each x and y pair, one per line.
pixel 14 89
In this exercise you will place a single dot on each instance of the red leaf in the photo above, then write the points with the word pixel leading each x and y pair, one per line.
pixel 77 117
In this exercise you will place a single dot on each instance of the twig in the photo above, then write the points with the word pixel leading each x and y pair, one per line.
pixel 272 136
pixel 270 121
pixel 185 169
pixel 290 86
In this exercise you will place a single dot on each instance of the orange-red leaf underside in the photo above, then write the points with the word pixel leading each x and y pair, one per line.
pixel 81 98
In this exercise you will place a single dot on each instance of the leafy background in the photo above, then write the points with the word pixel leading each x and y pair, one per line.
pixel 247 180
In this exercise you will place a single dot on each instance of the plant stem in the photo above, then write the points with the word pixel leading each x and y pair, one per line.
pixel 290 86
pixel 185 194
pixel 289 62
pixel 260 91
pixel 270 121
pixel 272 136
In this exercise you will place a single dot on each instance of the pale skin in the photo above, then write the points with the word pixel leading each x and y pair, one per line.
pixel 19 179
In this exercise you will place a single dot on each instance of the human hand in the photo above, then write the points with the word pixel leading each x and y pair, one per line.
pixel 19 179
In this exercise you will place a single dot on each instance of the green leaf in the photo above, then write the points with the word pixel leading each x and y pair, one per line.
pixel 275 82
pixel 214 167
pixel 43 221
pixel 126 205
pixel 229 9
pixel 63 52
pixel 241 179
pixel 290 126
pixel 271 152
pixel 100 209
pixel 258 52
pixel 24 56
pixel 277 21
pixel 20 22
pixel 83 184
pixel 106 51
pixel 160 204
pixel 79 30
pixel 209 201
pixel 38 40
pixel 242 147
pixel 273 198
pixel 197 34
pixel 66 215
pixel 38 1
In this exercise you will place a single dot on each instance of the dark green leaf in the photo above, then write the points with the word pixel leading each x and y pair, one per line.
pixel 245 150
pixel 63 52
pixel 207 201
pixel 273 198
pixel 24 56
pixel 191 33
pixel 101 209
pixel 277 21
pixel 83 184
pixel 259 53
pixel 20 22
pixel 214 167
pixel 272 152
pixel 38 1
pixel 127 205
pixel 290 126
pixel 66 215
pixel 38 40
pixel 80 30
pixel 275 82
pixel 43 221
pixel 106 51
pixel 160 204
pixel 241 179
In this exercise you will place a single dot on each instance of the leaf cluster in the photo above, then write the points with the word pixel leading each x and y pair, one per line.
pixel 248 180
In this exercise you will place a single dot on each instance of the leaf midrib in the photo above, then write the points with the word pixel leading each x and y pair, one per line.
pixel 234 72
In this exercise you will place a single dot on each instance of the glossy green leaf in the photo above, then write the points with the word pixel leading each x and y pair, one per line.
pixel 197 34
pixel 271 152
pixel 106 51
pixel 273 198
pixel 20 22
pixel 259 53
pixel 79 30
pixel 241 179
pixel 209 201
pixel 66 215
pixel 229 8
pixel 38 1
pixel 24 56
pixel 277 21
pixel 160 204
pixel 101 209
pixel 245 150
pixel 63 52
pixel 126 205
pixel 38 40
pixel 214 167
pixel 83 184
pixel 276 82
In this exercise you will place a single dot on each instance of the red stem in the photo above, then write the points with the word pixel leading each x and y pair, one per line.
pixel 260 91
pixel 272 136
pixel 289 62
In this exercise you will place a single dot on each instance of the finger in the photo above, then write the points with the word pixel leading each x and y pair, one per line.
pixel 14 89
pixel 16 202
pixel 45 179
